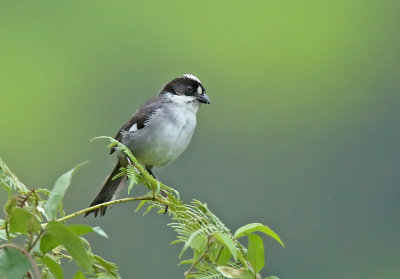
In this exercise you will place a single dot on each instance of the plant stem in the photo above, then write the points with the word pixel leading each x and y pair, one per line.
pixel 194 264
pixel 141 198
pixel 219 254
pixel 7 232
pixel 35 241
pixel 199 259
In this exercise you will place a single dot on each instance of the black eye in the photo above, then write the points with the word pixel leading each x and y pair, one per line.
pixel 189 89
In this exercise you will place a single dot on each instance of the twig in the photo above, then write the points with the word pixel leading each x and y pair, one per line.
pixel 25 199
pixel 219 254
pixel 141 198
pixel 7 232
pixel 32 261
pixel 194 264
pixel 36 240
pixel 187 273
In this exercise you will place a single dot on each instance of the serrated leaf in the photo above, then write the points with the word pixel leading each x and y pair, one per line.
pixel 22 221
pixel 72 242
pixel 253 227
pixel 255 252
pixel 225 240
pixel 13 263
pixel 58 191
pixel 9 180
pixel 230 272
pixel 109 267
pixel 133 177
pixel 54 267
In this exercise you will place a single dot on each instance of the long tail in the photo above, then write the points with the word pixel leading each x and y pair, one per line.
pixel 108 192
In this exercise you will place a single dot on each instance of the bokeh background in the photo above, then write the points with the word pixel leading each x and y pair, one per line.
pixel 302 133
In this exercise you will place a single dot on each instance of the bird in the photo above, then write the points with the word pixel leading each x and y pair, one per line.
pixel 157 133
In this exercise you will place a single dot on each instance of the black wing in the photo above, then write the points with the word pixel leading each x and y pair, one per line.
pixel 140 117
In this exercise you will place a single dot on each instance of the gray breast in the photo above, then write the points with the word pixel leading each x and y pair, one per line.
pixel 165 136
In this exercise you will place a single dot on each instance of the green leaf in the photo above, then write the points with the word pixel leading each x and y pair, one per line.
pixel 79 275
pixel 133 177
pixel 58 192
pixel 225 240
pixel 186 262
pixel 150 207
pixel 33 225
pixel 22 221
pixel 190 239
pixel 54 267
pixel 255 252
pixel 100 231
pixel 230 272
pixel 102 275
pixel 13 263
pixel 271 277
pixel 109 267
pixel 80 229
pixel 140 205
pixel 224 256
pixel 242 259
pixel 11 203
pixel 83 229
pixel 72 242
pixel 48 242
pixel 9 180
pixel 177 241
pixel 199 243
pixel 253 227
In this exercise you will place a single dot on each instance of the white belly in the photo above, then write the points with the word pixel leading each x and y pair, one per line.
pixel 164 137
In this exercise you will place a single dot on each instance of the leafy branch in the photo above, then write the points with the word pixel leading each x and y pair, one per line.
pixel 38 217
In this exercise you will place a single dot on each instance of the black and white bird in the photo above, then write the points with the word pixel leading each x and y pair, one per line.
pixel 158 132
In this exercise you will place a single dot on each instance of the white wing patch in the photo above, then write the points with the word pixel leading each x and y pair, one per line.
pixel 192 77
pixel 133 128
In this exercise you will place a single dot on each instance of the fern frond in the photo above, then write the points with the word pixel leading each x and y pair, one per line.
pixel 9 180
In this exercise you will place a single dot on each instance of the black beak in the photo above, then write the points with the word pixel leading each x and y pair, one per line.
pixel 203 98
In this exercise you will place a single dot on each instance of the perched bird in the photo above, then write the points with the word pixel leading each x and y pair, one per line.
pixel 158 132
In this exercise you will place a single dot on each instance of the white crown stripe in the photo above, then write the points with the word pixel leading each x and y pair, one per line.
pixel 192 77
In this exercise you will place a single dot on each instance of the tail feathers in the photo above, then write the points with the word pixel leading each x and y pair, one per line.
pixel 108 192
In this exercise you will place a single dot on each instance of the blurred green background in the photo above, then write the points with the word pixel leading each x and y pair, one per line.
pixel 302 133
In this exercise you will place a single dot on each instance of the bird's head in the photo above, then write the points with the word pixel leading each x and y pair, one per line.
pixel 187 86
